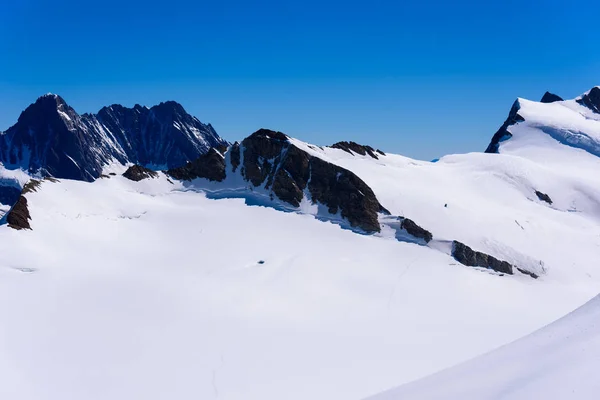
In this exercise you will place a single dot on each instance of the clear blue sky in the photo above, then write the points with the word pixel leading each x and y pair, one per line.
pixel 422 78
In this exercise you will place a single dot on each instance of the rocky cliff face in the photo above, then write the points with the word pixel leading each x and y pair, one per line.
pixel 503 133
pixel 18 217
pixel 210 166
pixel 50 138
pixel 164 136
pixel 591 99
pixel 269 161
pixel 469 257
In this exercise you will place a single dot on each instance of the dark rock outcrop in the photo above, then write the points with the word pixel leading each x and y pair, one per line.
pixel 18 217
pixel 262 150
pixel 415 230
pixel 50 138
pixel 235 156
pixel 343 191
pixel 591 99
pixel 503 133
pixel 272 161
pixel 543 197
pixel 137 173
pixel 525 272
pixel 469 257
pixel 363 150
pixel 550 98
pixel 210 166
pixel 33 185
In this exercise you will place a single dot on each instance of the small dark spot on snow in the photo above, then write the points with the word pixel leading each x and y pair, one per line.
pixel 261 262
pixel 24 269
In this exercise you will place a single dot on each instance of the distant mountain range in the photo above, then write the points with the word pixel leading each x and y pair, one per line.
pixel 51 138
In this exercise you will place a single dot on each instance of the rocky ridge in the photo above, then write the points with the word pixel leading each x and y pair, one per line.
pixel 51 139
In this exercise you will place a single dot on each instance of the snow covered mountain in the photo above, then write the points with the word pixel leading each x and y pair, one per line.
pixel 50 138
pixel 273 268
pixel 531 126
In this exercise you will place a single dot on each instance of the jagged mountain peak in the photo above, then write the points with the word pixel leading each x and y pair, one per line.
pixel 169 104
pixel 50 96
pixel 269 134
pixel 48 103
pixel 52 139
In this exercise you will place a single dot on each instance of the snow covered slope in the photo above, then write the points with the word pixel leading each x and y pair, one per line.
pixel 489 202
pixel 559 361
pixel 553 132
pixel 151 290
pixel 179 286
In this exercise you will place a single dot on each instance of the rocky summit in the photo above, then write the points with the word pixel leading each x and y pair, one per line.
pixel 51 139
pixel 267 160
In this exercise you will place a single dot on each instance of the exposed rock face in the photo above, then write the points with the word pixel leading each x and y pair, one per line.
pixel 9 195
pixel 33 185
pixel 18 217
pixel 525 272
pixel 52 139
pixel 161 136
pixel 49 138
pixel 550 98
pixel 341 190
pixel 357 148
pixel 591 100
pixel 137 173
pixel 469 257
pixel 262 150
pixel 415 230
pixel 543 197
pixel 210 166
pixel 270 159
pixel 503 133
pixel 235 156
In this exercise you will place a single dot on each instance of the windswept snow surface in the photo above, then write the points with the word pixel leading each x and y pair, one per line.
pixel 488 201
pixel 155 290
pixel 559 361
pixel 151 290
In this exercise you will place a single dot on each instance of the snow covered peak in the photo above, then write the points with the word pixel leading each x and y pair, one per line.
pixel 553 129
pixel 49 95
